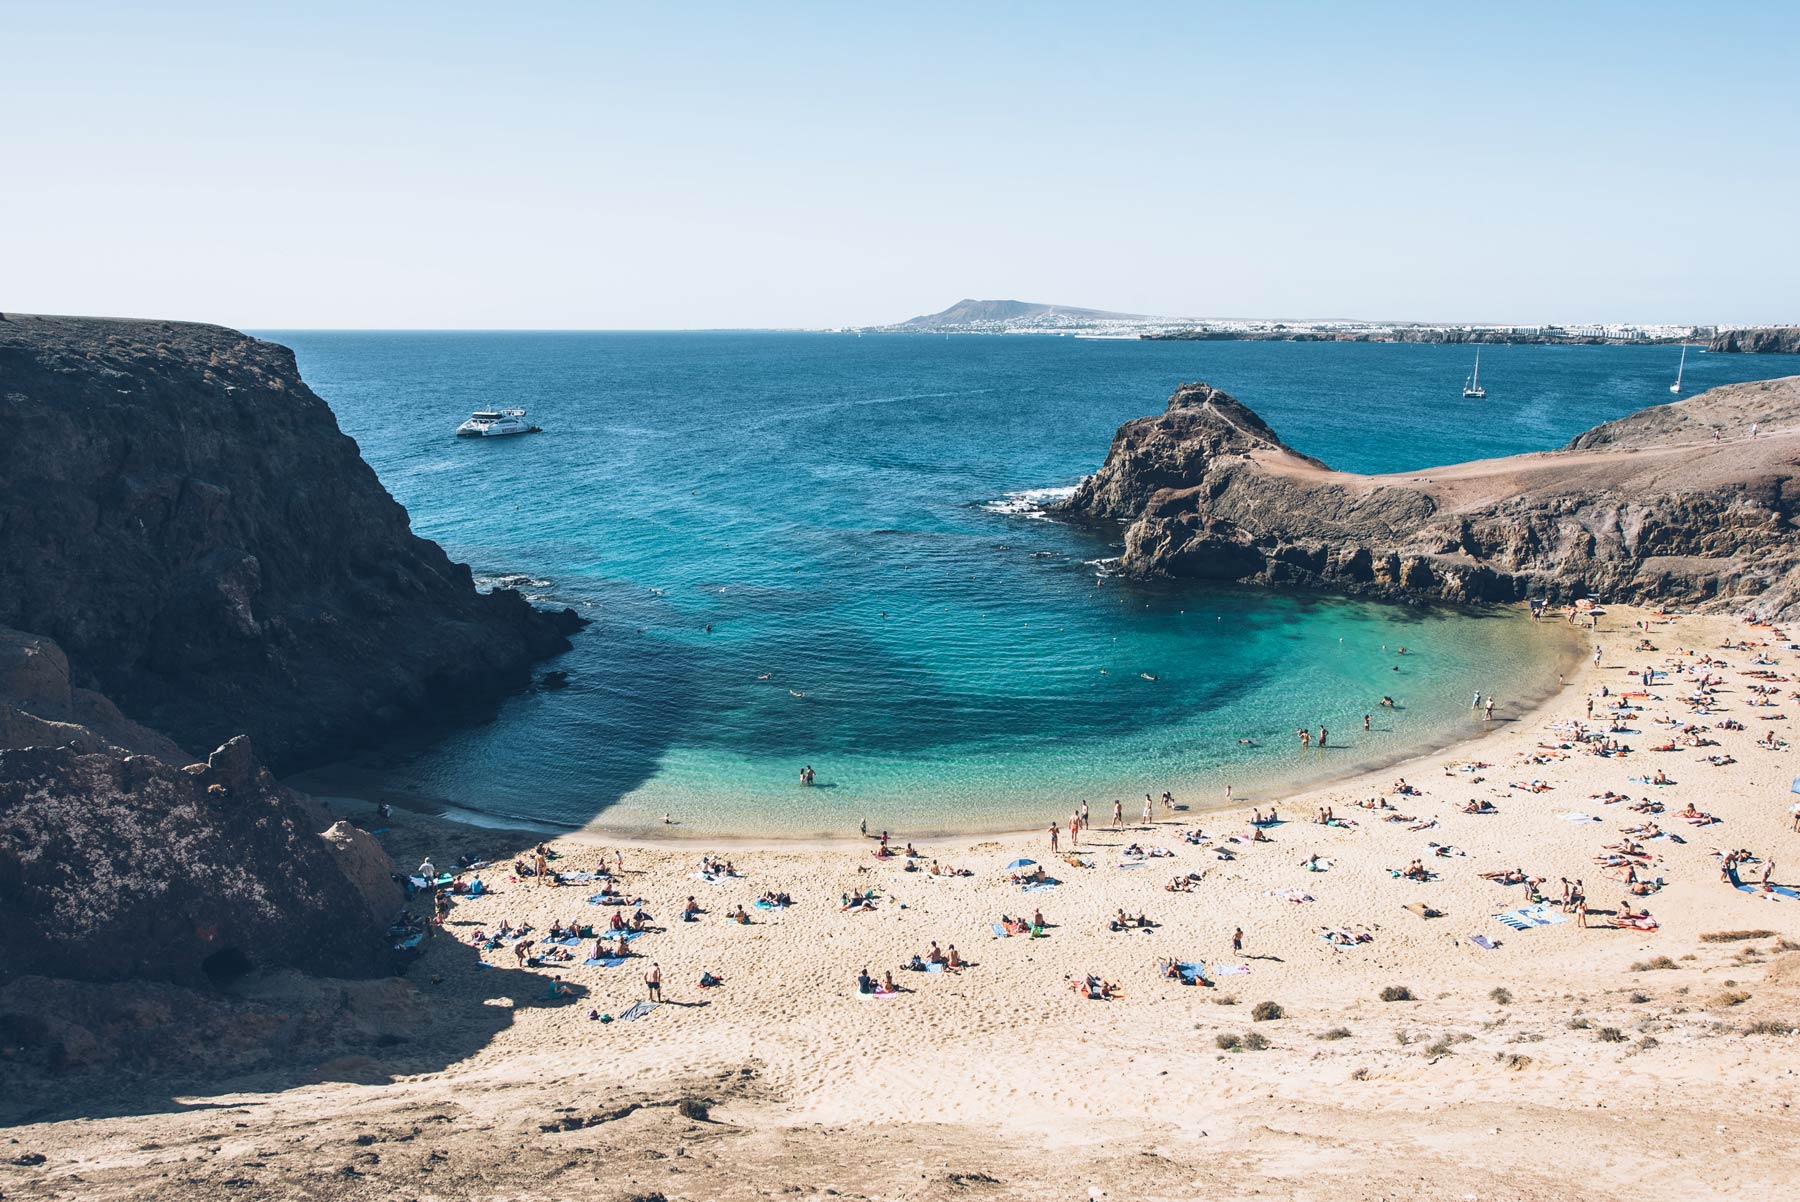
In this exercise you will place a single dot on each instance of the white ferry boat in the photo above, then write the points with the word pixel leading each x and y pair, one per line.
pixel 492 423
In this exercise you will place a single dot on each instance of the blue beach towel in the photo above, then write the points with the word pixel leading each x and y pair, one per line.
pixel 603 962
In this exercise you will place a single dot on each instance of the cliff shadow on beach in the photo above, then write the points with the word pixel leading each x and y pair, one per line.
pixel 86 1050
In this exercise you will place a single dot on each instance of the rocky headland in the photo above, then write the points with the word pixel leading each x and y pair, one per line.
pixel 1762 340
pixel 184 517
pixel 197 557
pixel 1677 504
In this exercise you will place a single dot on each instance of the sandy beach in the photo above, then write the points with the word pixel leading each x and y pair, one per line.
pixel 1532 1060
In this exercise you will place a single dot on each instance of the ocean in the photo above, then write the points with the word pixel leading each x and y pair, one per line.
pixel 823 549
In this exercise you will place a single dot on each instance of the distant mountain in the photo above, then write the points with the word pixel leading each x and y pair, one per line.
pixel 1007 314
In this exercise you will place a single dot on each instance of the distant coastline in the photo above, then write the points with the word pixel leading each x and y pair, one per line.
pixel 1025 317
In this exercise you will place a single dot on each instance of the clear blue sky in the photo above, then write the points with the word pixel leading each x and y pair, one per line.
pixel 592 165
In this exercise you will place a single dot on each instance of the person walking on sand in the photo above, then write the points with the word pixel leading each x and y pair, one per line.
pixel 653 982
pixel 1581 913
pixel 1084 811
pixel 1237 942
pixel 1596 655
pixel 1118 815
pixel 1053 848
pixel 1149 811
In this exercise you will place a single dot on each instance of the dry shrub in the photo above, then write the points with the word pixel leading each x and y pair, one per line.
pixel 1264 1012
pixel 1396 993
pixel 1734 936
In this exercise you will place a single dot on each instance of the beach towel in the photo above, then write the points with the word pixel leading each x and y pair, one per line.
pixel 1528 917
pixel 1191 972
pixel 1778 893
pixel 565 941
pixel 1482 942
pixel 1232 970
pixel 1296 896
pixel 764 905
pixel 581 878
pixel 1040 887
pixel 711 878
pixel 933 966
pixel 1000 932
pixel 1132 864
pixel 409 943
pixel 1577 816
pixel 637 1010
pixel 603 962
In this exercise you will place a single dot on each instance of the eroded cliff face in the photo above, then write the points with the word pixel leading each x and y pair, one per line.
pixel 1763 340
pixel 184 531
pixel 1676 504
pixel 117 866
pixel 182 514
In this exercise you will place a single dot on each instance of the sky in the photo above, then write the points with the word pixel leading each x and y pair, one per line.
pixel 558 164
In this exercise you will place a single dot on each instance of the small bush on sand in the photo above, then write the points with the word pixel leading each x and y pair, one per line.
pixel 1734 936
pixel 1396 993
pixel 1502 995
pixel 1579 1023
pixel 1255 1041
pixel 1227 1042
pixel 1334 1033
pixel 1440 1048
pixel 1728 998
pixel 1612 1035
pixel 1652 965
pixel 1264 1012
pixel 694 1108
pixel 1769 1026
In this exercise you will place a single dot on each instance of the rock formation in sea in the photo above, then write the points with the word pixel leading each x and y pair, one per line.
pixel 1676 503
pixel 1763 340
pixel 184 517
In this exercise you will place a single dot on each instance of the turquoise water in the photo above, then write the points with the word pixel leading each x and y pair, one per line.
pixel 851 518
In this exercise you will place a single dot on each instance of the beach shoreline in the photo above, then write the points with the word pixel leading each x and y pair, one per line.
pixel 354 789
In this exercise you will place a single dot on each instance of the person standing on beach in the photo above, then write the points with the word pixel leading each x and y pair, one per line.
pixel 1053 847
pixel 1581 913
pixel 1487 711
pixel 1118 815
pixel 1596 655
pixel 653 982
pixel 1322 737
pixel 1149 811
pixel 1237 942
pixel 1084 812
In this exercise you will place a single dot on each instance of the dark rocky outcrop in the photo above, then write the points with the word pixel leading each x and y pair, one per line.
pixel 1764 340
pixel 1677 503
pixel 182 514
pixel 118 866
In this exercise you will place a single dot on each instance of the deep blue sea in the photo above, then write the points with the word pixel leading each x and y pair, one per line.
pixel 821 549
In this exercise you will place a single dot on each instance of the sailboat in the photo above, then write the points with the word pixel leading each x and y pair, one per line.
pixel 1682 366
pixel 1472 386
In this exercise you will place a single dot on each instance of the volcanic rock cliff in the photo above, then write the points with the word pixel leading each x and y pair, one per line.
pixel 183 516
pixel 191 552
pixel 1762 340
pixel 1678 503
